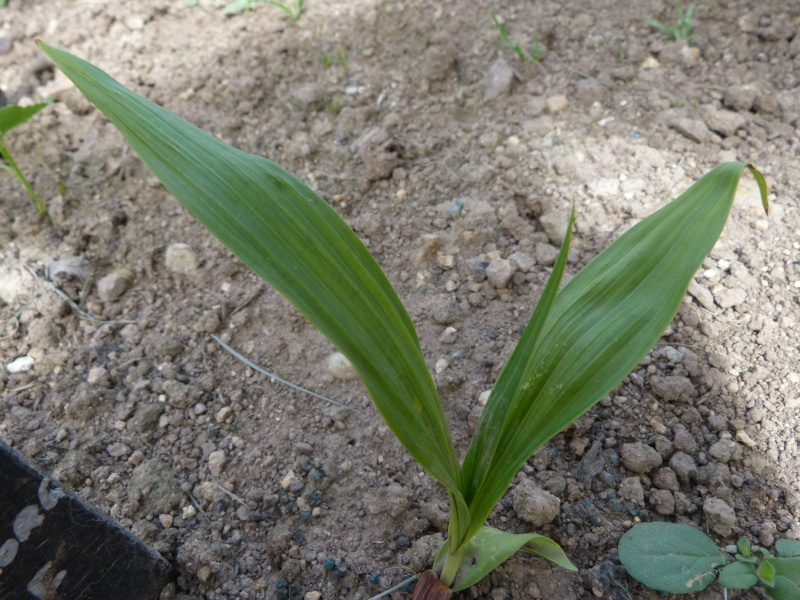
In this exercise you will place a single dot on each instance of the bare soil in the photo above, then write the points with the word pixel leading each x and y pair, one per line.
pixel 445 153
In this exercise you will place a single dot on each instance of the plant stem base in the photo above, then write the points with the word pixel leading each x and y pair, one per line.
pixel 430 588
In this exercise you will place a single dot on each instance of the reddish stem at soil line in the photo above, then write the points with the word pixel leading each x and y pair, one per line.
pixel 430 588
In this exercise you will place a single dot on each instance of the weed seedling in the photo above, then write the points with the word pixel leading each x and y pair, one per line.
pixel 682 30
pixel 678 559
pixel 238 6
pixel 341 56
pixel 581 341
pixel 333 105
pixel 12 116
pixel 536 55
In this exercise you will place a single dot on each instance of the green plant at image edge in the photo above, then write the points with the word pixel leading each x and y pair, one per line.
pixel 581 341
pixel 12 116
pixel 682 30
pixel 678 559
pixel 239 6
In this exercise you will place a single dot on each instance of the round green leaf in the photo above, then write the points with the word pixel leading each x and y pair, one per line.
pixel 788 547
pixel 738 576
pixel 670 557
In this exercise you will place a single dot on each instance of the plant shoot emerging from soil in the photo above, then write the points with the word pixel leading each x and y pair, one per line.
pixel 580 343
pixel 535 55
pixel 682 29
pixel 293 11
pixel 12 116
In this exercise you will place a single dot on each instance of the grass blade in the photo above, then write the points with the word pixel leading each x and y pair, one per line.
pixel 292 238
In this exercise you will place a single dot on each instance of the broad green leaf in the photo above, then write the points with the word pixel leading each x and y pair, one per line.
pixel 738 576
pixel 489 547
pixel 784 589
pixel 670 557
pixel 787 567
pixel 292 238
pixel 12 116
pixel 788 548
pixel 786 580
pixel 766 573
pixel 599 327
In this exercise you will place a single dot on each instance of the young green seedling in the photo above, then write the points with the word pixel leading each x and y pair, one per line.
pixel 536 55
pixel 340 56
pixel 682 30
pixel 238 6
pixel 679 559
pixel 580 343
pixel 12 116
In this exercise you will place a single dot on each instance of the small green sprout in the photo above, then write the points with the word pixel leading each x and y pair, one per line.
pixel 341 56
pixel 536 55
pixel 678 559
pixel 580 342
pixel 238 6
pixel 12 116
pixel 333 105
pixel 682 30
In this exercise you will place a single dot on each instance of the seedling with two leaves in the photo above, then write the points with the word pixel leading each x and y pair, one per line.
pixel 12 116
pixel 580 343
pixel 678 559
pixel 682 30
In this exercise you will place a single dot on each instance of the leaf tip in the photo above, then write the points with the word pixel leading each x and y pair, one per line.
pixel 762 187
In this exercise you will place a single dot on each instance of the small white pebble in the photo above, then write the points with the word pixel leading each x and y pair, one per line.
pixel 224 414
pixel 340 367
pixel 288 480
pixel 166 520
pixel 441 365
pixel 484 397
pixel 23 363
pixel 658 426
pixel 188 511
pixel 216 462
pixel 200 408
pixel 180 258
pixel 742 436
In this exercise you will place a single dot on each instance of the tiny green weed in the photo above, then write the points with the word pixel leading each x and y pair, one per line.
pixel 333 105
pixel 293 11
pixel 12 116
pixel 682 30
pixel 678 559
pixel 580 342
pixel 341 56
pixel 535 55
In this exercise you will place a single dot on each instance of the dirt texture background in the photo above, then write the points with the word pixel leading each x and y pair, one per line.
pixel 456 163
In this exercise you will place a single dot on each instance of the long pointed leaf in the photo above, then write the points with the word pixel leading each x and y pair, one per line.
pixel 600 326
pixel 292 238
pixel 12 115
pixel 491 426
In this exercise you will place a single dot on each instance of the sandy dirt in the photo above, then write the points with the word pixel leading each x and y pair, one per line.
pixel 447 155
